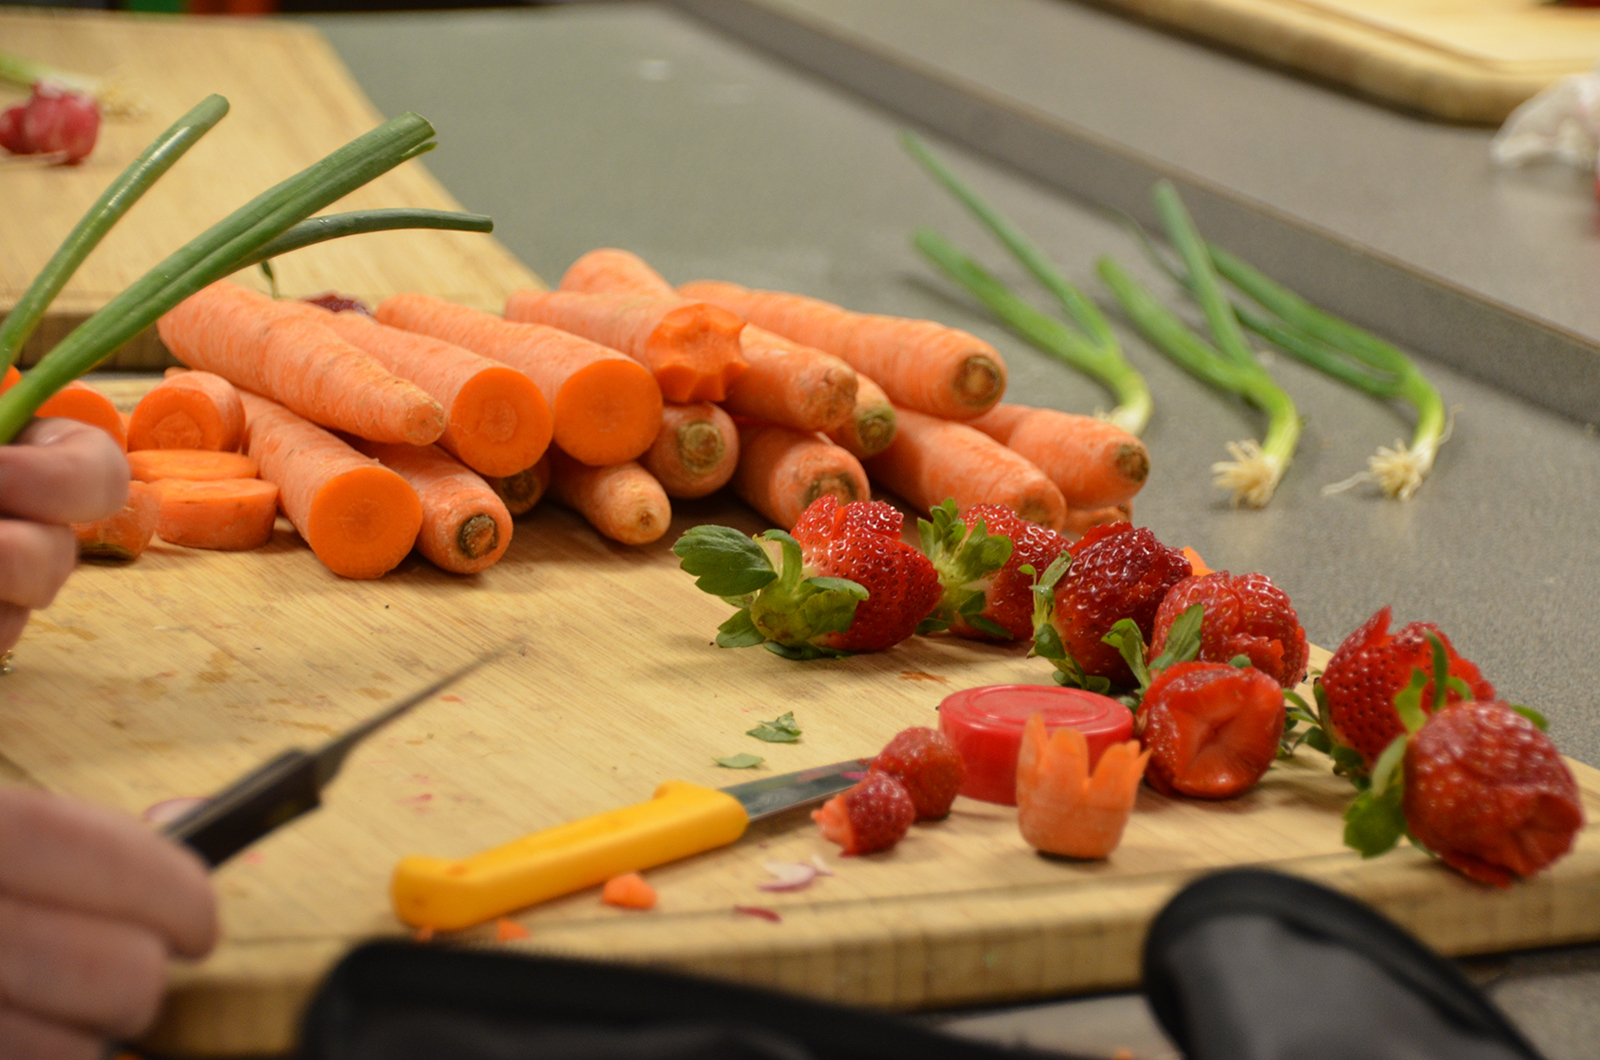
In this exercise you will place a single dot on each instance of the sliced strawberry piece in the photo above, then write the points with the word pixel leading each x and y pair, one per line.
pixel 928 765
pixel 874 815
pixel 1212 729
pixel 1245 614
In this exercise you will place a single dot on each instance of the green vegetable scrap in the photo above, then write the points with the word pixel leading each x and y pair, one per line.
pixel 744 760
pixel 1092 350
pixel 781 729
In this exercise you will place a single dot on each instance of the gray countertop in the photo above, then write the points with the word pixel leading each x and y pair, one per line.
pixel 639 126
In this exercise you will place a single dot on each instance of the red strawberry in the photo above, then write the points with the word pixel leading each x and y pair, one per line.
pixel 874 815
pixel 846 581
pixel 1372 664
pixel 1212 729
pixel 1245 614
pixel 987 596
pixel 1489 793
pixel 1118 571
pixel 929 767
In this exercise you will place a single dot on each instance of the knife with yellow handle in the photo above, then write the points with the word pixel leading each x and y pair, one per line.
pixel 682 819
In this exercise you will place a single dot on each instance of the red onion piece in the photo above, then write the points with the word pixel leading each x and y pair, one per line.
pixel 760 912
pixel 822 866
pixel 788 875
pixel 59 121
pixel 12 136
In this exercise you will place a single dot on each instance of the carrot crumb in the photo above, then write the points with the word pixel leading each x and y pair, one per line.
pixel 1122 1053
pixel 423 934
pixel 507 930
pixel 630 891
pixel 1195 562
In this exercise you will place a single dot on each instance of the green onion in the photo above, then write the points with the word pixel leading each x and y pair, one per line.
pixel 337 225
pixel 221 250
pixel 1097 355
pixel 111 93
pixel 133 182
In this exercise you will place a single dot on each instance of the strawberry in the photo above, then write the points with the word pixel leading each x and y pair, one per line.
pixel 1212 729
pixel 929 767
pixel 1245 614
pixel 845 581
pixel 987 593
pixel 874 815
pixel 1371 666
pixel 1487 791
pixel 1117 571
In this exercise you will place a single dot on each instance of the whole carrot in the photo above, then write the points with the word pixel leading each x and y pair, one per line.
pixel 606 406
pixel 696 451
pixel 360 518
pixel 189 410
pixel 521 491
pixel 870 425
pixel 931 460
pixel 465 526
pixel 1079 520
pixel 246 338
pixel 781 471
pixel 624 502
pixel 692 348
pixel 921 364
pixel 1095 463
pixel 497 420
pixel 786 383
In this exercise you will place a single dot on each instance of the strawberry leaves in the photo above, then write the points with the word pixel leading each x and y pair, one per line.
pixel 961 555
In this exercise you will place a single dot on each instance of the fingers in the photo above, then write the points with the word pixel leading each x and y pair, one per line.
pixel 30 1038
pixel 89 860
pixel 79 970
pixel 35 560
pixel 12 621
pixel 62 471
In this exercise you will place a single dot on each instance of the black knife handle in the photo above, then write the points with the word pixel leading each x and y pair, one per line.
pixel 232 819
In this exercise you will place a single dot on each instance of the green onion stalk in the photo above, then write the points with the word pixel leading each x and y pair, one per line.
pixel 1095 351
pixel 113 94
pixel 274 219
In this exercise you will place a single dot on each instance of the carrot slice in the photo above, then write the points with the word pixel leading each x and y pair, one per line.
pixel 82 402
pixel 696 451
pixel 624 502
pixel 786 383
pixel 359 517
pixel 520 492
pixel 690 347
pixel 260 346
pixel 923 365
pixel 190 410
pixel 465 526
pixel 870 425
pixel 1094 463
pixel 932 460
pixel 630 891
pixel 125 533
pixel 497 420
pixel 606 406
pixel 230 514
pixel 152 465
pixel 781 471
pixel 12 377
pixel 1064 809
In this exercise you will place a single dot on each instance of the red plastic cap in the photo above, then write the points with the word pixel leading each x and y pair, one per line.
pixel 985 725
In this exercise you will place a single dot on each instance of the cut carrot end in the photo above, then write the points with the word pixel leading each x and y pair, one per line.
pixel 608 412
pixel 124 534
pixel 362 523
pixel 500 422
pixel 630 891
pixel 82 402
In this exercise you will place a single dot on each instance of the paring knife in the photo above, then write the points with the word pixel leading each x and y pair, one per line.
pixel 682 819
pixel 287 786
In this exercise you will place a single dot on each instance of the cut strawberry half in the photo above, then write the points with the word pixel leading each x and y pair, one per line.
pixel 1212 729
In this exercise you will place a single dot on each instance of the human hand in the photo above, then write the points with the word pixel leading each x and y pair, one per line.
pixel 56 472
pixel 92 905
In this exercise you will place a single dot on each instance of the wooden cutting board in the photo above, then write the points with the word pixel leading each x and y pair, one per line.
pixel 292 101
pixel 1465 60
pixel 172 675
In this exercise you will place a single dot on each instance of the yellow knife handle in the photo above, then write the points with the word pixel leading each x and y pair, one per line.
pixel 682 819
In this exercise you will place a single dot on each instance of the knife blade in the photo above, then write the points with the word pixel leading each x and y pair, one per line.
pixel 681 820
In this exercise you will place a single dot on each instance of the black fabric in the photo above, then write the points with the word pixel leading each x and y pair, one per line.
pixel 1253 965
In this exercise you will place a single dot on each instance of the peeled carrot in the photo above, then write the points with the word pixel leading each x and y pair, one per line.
pixel 260 346
pixel 624 502
pixel 781 471
pixel 630 891
pixel 152 465
pixel 1064 809
pixel 1080 519
pixel 1196 564
pixel 870 426
pixel 230 514
pixel 606 406
pixel 521 491
pixel 12 377
pixel 465 527
pixel 696 451
pixel 497 420
pixel 82 402
pixel 1095 463
pixel 786 383
pixel 932 460
pixel 125 533
pixel 691 348
pixel 923 365
pixel 360 518
pixel 190 410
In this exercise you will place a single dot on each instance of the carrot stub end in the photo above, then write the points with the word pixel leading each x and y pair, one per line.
pixel 630 891
pixel 1063 808
pixel 125 533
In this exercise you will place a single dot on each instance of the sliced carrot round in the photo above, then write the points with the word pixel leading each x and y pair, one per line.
pixel 190 410
pixel 499 422
pixel 233 515
pixel 196 465
pixel 363 522
pixel 608 412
